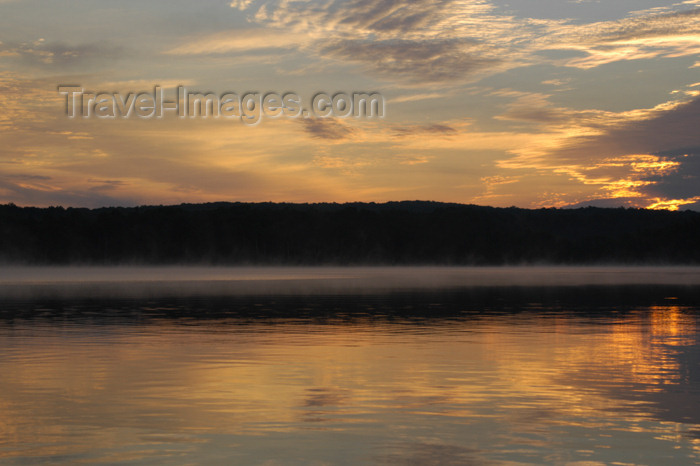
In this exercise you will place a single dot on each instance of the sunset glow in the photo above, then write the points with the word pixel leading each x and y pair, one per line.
pixel 520 103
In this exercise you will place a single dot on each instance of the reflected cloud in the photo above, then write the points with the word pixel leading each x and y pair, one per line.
pixel 414 453
pixel 512 383
pixel 320 397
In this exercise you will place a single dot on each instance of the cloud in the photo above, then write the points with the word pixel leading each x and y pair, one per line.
pixel 428 49
pixel 409 41
pixel 417 97
pixel 49 159
pixel 43 54
pixel 28 192
pixel 650 35
pixel 681 183
pixel 450 41
pixel 418 62
pixel 106 185
pixel 647 157
pixel 24 102
pixel 534 107
pixel 245 40
pixel 436 129
pixel 388 16
pixel 327 128
pixel 360 18
pixel 642 25
pixel 664 128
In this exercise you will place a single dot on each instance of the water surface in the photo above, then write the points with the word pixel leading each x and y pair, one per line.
pixel 574 374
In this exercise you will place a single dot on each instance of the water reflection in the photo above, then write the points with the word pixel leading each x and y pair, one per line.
pixel 488 376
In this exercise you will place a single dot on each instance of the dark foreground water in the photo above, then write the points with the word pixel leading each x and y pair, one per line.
pixel 566 374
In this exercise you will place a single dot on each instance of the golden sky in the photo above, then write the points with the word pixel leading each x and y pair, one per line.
pixel 532 104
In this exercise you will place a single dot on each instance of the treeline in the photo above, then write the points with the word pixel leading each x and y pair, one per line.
pixel 356 233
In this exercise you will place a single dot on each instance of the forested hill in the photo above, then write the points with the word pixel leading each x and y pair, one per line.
pixel 356 233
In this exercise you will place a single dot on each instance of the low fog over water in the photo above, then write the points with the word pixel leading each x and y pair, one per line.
pixel 121 281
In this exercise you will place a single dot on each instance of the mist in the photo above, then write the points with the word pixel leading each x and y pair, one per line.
pixel 128 281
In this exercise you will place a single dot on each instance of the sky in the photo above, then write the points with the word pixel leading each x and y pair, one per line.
pixel 528 103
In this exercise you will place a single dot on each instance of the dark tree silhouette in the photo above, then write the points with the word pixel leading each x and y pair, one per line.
pixel 356 233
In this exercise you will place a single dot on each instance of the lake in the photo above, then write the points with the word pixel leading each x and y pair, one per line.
pixel 522 365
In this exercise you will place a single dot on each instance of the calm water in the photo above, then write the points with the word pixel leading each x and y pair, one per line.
pixel 487 375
